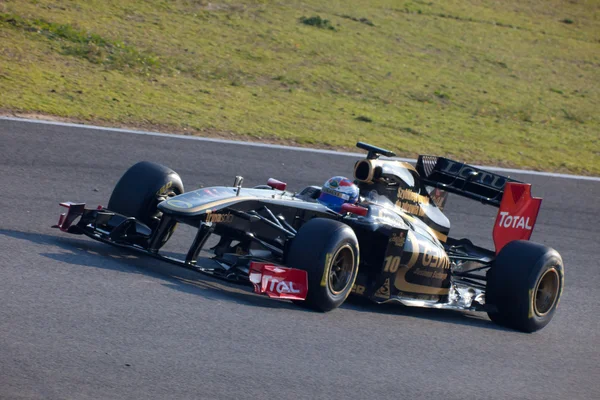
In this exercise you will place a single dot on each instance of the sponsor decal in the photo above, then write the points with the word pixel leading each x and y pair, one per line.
pixel 275 285
pixel 358 289
pixel 279 282
pixel 434 264
pixel 427 267
pixel 430 274
pixel 398 239
pixel 411 202
pixel 219 218
pixel 434 257
pixel 483 177
pixel 424 288
pixel 411 208
pixel 513 221
pixel 404 194
pixel 439 198
pixel 210 192
pixel 516 215
pixel 384 290
pixel 334 193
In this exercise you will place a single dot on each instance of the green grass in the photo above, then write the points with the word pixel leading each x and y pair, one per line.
pixel 511 83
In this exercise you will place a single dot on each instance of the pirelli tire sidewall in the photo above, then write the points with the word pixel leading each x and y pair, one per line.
pixel 313 250
pixel 513 281
pixel 141 188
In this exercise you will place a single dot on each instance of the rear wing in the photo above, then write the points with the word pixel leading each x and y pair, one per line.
pixel 462 179
pixel 517 209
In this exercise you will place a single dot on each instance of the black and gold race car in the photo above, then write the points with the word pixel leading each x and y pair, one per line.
pixel 392 245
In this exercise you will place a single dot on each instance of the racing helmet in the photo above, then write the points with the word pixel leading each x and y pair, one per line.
pixel 337 191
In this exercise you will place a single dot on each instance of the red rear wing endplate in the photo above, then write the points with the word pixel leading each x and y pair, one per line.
pixel 516 216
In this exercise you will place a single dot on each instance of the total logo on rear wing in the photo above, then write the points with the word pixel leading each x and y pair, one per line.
pixel 516 216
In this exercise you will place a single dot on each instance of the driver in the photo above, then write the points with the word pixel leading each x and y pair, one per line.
pixel 337 191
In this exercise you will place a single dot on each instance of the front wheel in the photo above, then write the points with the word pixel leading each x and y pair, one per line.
pixel 139 191
pixel 524 286
pixel 328 251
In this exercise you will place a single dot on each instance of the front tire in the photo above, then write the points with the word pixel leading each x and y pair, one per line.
pixel 525 285
pixel 141 188
pixel 328 251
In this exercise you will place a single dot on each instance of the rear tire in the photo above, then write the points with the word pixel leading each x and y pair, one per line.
pixel 141 188
pixel 328 251
pixel 525 285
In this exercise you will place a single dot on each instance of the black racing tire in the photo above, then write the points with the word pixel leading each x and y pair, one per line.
pixel 328 251
pixel 141 188
pixel 524 286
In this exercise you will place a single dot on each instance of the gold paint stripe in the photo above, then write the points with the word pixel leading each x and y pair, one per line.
pixel 400 281
pixel 401 284
pixel 439 235
pixel 408 166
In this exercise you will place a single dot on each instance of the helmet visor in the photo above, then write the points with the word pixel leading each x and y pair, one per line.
pixel 331 201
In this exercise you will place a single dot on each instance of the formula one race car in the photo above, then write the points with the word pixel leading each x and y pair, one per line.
pixel 389 244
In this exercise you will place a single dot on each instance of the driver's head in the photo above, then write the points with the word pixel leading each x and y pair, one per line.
pixel 337 191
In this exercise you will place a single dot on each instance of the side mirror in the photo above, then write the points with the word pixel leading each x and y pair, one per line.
pixel 275 184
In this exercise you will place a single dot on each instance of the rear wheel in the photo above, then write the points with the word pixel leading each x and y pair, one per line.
pixel 141 188
pixel 525 285
pixel 328 251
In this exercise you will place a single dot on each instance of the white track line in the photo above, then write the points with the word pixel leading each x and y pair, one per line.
pixel 279 147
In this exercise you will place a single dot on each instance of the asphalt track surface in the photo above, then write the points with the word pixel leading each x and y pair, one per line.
pixel 83 320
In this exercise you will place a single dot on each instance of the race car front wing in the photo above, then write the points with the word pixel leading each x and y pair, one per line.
pixel 266 278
